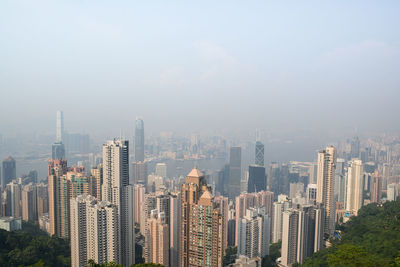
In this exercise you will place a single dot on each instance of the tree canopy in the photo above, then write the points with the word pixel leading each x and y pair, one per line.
pixel 370 239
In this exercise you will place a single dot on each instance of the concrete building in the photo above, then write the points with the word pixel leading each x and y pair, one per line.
pixel 158 239
pixel 295 189
pixel 94 231
pixel 311 193
pixel 277 218
pixel 326 186
pixel 139 173
pixel 201 239
pixel 96 181
pixel 10 223
pixel 140 191
pixel 254 233
pixel 29 203
pixel 392 192
pixel 355 186
pixel 243 261
pixel 252 200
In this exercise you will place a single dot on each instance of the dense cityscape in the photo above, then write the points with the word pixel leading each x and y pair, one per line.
pixel 189 203
pixel 207 133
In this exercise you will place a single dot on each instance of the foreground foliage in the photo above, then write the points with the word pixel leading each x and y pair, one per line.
pixel 370 239
pixel 32 247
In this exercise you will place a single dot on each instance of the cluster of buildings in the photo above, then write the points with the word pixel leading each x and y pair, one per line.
pixel 109 210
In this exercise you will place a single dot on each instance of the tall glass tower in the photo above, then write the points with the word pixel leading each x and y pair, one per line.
pixel 139 140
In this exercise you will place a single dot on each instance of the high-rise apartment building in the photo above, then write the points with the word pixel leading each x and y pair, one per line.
pixel 252 200
pixel 9 171
pixel 257 179
pixel 376 188
pixel 14 195
pixel 259 159
pixel 29 203
pixel 355 186
pixel 139 140
pixel 277 219
pixel 95 231
pixel 223 203
pixel 140 191
pixel 326 186
pixel 254 233
pixel 301 233
pixel 116 189
pixel 158 239
pixel 392 192
pixel 201 239
pixel 96 181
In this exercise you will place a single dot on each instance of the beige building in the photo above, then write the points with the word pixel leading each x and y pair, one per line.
pixel 326 186
pixel 202 232
pixel 355 186
pixel 158 236
pixel 29 203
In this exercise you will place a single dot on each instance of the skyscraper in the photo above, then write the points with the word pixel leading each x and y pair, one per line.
pixel 201 228
pixel 60 126
pixel 139 140
pixel 278 207
pixel 257 179
pixel 29 203
pixel 301 233
pixel 158 239
pixel 259 154
pixel 235 171
pixel 252 200
pixel 355 186
pixel 58 150
pixel 115 189
pixel 254 233
pixel 139 171
pixel 326 186
pixel 94 231
pixel 9 171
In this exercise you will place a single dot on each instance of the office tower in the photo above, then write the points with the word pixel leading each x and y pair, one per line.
pixel 9 171
pixel 140 191
pixel 392 192
pixel 301 233
pixel 158 239
pixel 175 217
pixel 273 176
pixel 311 193
pixel 235 171
pixel 295 188
pixel 355 148
pixel 42 199
pixel 161 170
pixel 201 239
pixel 139 171
pixel 376 188
pixel 254 233
pixel 115 189
pixel 223 204
pixel 60 126
pixel 77 143
pixel 139 140
pixel 340 180
pixel 223 180
pixel 29 203
pixel 278 209
pixel 94 231
pixel 14 191
pixel 355 186
pixel 252 200
pixel 96 181
pixel 58 151
pixel 326 186
pixel 259 154
pixel 257 179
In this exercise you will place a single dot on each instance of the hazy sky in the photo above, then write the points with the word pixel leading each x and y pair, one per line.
pixel 194 65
